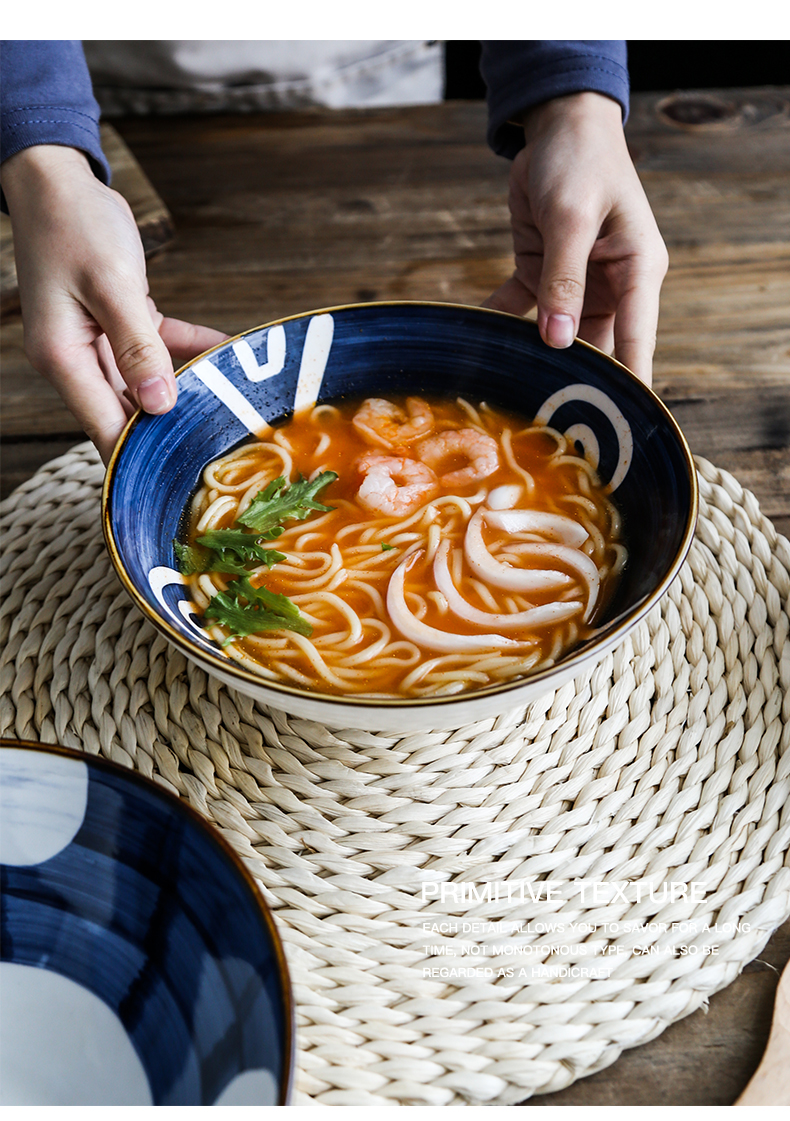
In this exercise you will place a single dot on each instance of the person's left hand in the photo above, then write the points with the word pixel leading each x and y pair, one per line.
pixel 587 248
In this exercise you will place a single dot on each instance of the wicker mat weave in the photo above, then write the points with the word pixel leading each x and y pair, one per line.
pixel 667 764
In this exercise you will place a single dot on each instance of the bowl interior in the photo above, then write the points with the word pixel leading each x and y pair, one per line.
pixel 373 350
pixel 113 888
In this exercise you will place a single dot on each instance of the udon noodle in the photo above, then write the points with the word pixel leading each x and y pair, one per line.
pixel 463 547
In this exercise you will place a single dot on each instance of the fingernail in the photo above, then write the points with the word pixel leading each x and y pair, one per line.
pixel 559 330
pixel 154 395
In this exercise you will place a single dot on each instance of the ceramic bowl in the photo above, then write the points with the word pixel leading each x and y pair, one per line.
pixel 139 964
pixel 362 350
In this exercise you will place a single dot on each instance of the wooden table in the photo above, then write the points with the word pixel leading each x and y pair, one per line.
pixel 282 213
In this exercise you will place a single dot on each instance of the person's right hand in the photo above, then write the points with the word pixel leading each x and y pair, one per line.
pixel 89 325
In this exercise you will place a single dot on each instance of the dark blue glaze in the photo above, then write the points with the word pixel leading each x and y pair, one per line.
pixel 147 909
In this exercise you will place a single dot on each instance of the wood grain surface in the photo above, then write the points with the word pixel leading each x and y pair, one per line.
pixel 278 214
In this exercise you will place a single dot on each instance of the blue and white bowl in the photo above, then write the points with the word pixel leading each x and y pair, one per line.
pixel 362 350
pixel 139 964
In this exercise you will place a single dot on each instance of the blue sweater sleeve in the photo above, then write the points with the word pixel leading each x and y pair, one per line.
pixel 522 73
pixel 46 97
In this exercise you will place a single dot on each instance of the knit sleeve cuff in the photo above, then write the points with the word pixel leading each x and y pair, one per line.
pixel 55 124
pixel 520 74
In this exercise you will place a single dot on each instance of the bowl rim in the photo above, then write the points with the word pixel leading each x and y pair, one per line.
pixel 573 663
pixel 212 832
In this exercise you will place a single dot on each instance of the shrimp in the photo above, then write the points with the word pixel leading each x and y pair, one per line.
pixel 384 423
pixel 395 485
pixel 479 450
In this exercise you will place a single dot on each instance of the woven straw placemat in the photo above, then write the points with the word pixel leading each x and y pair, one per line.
pixel 666 768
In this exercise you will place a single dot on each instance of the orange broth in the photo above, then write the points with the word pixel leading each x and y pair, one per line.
pixel 343 601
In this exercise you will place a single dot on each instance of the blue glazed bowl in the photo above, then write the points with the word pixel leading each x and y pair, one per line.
pixel 361 350
pixel 139 964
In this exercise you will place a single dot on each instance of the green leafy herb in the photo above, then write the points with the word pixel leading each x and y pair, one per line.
pixel 385 548
pixel 232 551
pixel 190 559
pixel 281 501
pixel 246 610
pixel 235 547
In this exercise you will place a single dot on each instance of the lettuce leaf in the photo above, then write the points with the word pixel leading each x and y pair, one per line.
pixel 246 610
pixel 281 501
pixel 232 551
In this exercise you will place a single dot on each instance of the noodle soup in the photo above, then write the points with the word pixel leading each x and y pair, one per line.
pixel 432 547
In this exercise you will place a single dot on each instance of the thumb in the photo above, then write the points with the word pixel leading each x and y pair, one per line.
pixel 141 356
pixel 562 280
